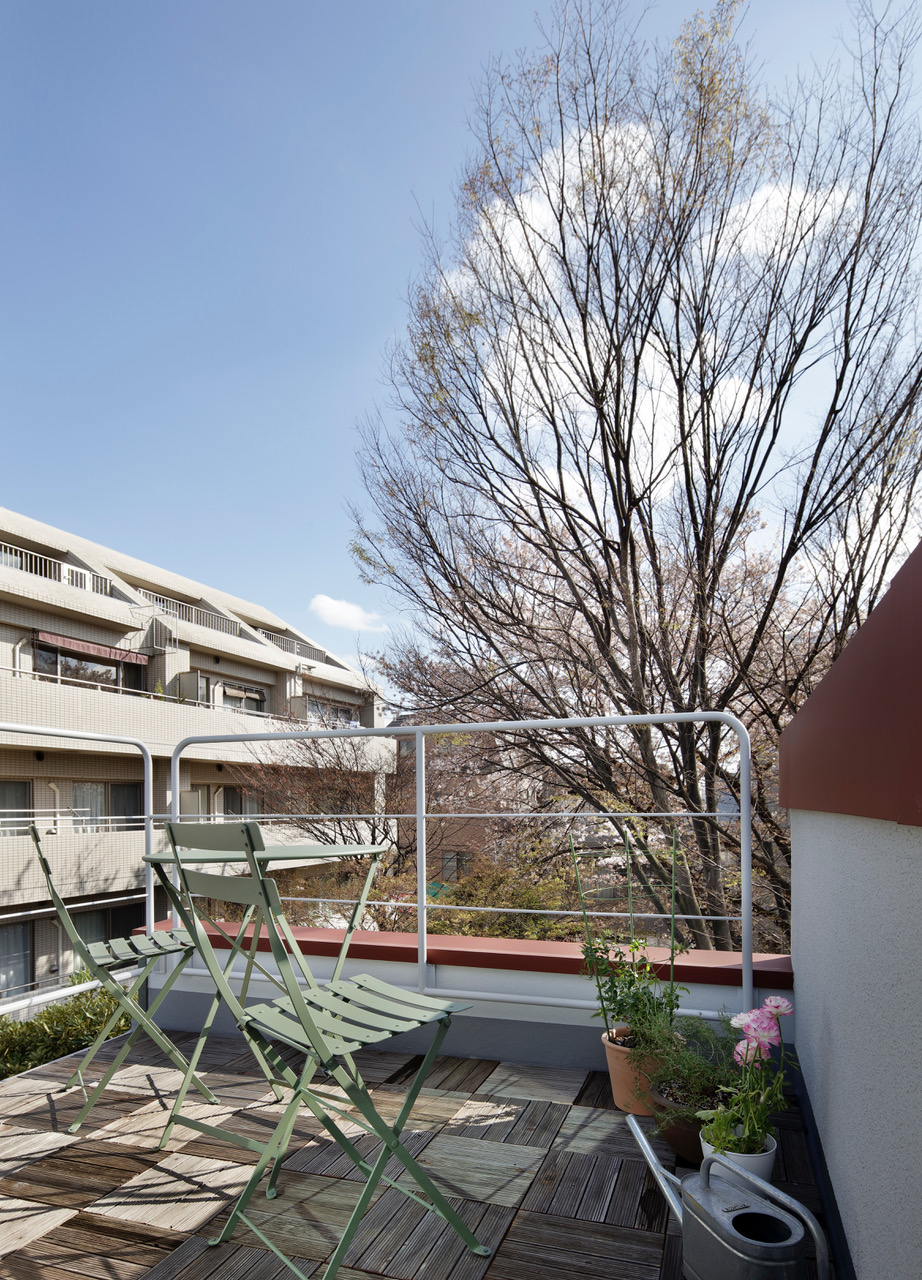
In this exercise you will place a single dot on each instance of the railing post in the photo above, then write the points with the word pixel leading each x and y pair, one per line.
pixel 746 865
pixel 420 748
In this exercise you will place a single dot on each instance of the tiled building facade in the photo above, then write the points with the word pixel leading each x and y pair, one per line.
pixel 95 641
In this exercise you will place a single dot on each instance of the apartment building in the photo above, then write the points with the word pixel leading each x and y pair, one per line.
pixel 95 641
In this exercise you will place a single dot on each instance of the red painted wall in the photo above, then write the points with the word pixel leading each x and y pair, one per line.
pixel 855 746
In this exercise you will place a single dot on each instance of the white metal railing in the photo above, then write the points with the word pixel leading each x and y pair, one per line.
pixel 419 733
pixel 192 613
pixel 16 822
pixel 297 647
pixel 12 557
pixel 102 687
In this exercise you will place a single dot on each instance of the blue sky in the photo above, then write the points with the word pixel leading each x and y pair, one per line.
pixel 209 223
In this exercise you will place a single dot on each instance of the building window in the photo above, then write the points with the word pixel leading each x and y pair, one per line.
pixel 105 806
pixel 238 802
pixel 104 923
pixel 15 808
pixel 332 713
pixel 77 668
pixel 244 698
pixel 15 958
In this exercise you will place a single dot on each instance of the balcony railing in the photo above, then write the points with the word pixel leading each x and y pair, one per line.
pixel 297 647
pixel 101 687
pixel 16 822
pixel 191 613
pixel 54 570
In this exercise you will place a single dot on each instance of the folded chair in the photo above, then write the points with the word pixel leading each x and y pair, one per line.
pixel 102 960
pixel 327 1022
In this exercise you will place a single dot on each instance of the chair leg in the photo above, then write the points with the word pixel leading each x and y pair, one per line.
pixel 276 1146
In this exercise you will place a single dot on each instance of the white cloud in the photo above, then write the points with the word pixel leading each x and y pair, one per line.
pixel 340 613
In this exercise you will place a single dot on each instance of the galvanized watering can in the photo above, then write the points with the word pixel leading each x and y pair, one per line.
pixel 729 1234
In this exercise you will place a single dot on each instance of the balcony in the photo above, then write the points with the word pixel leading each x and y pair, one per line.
pixel 537 1159
pixel 55 570
pixel 297 647
pixel 192 613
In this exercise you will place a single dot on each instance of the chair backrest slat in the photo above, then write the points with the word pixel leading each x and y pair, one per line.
pixel 216 837
pixel 244 890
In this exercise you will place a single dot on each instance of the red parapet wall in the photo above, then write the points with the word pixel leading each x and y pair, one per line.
pixel 710 968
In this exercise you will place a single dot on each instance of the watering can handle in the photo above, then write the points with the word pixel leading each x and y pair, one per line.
pixel 768 1192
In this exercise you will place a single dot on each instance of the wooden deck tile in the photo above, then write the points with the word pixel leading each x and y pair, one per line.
pixel 87 1245
pixel 258 1123
pixel 25 1220
pixel 228 1261
pixel 327 1157
pixel 541 1247
pixel 794 1157
pixel 494 1172
pixel 517 1080
pixel 671 1266
pixel 465 1075
pixel 400 1240
pixel 376 1068
pixel 237 1090
pixel 433 1109
pixel 144 1126
pixel 596 1092
pixel 591 1131
pixel 528 1124
pixel 56 1111
pixel 181 1192
pixel 307 1218
pixel 78 1174
pixel 20 1145
pixel 597 1188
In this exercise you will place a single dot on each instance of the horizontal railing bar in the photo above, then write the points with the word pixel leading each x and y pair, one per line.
pixel 553 1002
pixel 451 813
pixel 518 911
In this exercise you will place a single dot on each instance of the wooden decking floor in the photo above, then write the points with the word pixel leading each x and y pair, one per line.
pixel 536 1160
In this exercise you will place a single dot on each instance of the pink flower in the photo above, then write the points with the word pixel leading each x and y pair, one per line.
pixel 762 1028
pixel 741 1020
pixel 777 1006
pixel 750 1051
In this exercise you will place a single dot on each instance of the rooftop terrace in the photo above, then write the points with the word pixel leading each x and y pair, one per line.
pixel 541 1164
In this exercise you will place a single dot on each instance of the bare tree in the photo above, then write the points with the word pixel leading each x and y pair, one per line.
pixel 654 444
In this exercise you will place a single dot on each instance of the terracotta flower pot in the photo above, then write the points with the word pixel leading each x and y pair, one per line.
pixel 683 1134
pixel 629 1083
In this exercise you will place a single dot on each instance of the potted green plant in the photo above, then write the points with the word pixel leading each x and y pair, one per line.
pixel 634 1001
pixel 740 1125
pixel 692 1060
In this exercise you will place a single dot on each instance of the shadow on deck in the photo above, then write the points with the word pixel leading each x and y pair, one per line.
pixel 536 1159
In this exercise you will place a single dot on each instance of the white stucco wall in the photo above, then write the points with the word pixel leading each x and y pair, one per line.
pixel 857 897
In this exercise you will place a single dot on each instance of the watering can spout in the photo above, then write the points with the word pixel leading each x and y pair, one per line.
pixel 667 1182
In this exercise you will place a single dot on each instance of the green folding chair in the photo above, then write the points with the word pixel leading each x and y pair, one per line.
pixel 103 960
pixel 326 1022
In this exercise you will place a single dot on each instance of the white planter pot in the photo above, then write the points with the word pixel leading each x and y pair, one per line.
pixel 760 1163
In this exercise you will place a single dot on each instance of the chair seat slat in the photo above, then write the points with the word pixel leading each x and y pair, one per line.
pixel 123 950
pixel 374 992
pixel 327 1009
pixel 99 951
pixel 279 1025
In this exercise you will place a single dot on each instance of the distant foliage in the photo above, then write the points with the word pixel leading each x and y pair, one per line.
pixel 58 1030
pixel 522 885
